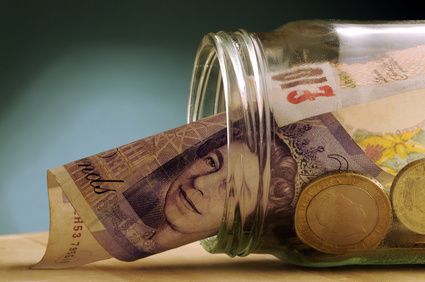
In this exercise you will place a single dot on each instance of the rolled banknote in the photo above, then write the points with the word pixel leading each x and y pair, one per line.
pixel 127 200
pixel 168 190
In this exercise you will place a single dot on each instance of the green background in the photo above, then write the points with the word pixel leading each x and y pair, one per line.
pixel 81 77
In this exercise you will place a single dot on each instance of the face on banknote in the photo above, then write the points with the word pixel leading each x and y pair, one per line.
pixel 197 195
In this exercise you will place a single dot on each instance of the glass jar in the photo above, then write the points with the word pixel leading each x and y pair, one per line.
pixel 325 191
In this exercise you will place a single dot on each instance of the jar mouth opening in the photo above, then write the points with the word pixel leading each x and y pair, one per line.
pixel 228 76
pixel 207 84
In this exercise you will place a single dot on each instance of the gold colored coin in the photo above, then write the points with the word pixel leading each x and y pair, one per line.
pixel 343 211
pixel 408 196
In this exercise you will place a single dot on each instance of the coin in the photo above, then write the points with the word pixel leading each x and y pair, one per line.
pixel 408 196
pixel 343 211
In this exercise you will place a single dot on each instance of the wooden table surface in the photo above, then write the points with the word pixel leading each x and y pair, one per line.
pixel 188 263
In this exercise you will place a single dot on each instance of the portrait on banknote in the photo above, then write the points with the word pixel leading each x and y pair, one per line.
pixel 184 199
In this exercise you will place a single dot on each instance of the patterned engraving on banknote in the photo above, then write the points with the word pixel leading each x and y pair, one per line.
pixel 320 145
pixel 392 151
pixel 177 140
pixel 346 80
pixel 393 66
pixel 389 70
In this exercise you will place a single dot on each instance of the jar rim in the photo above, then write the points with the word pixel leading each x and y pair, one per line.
pixel 236 60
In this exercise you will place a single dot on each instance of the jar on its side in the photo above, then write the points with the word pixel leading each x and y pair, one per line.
pixel 328 114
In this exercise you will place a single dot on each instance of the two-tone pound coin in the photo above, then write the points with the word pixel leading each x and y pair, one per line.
pixel 408 196
pixel 343 211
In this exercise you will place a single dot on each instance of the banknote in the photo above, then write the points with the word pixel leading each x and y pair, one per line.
pixel 70 242
pixel 316 88
pixel 141 199
pixel 390 131
pixel 169 189
pixel 120 195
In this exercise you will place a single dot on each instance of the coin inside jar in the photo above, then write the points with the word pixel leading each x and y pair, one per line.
pixel 343 211
pixel 408 196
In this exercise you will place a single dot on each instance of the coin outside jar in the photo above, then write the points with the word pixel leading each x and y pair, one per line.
pixel 408 196
pixel 343 211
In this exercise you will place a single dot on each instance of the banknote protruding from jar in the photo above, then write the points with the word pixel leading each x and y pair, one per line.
pixel 343 211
